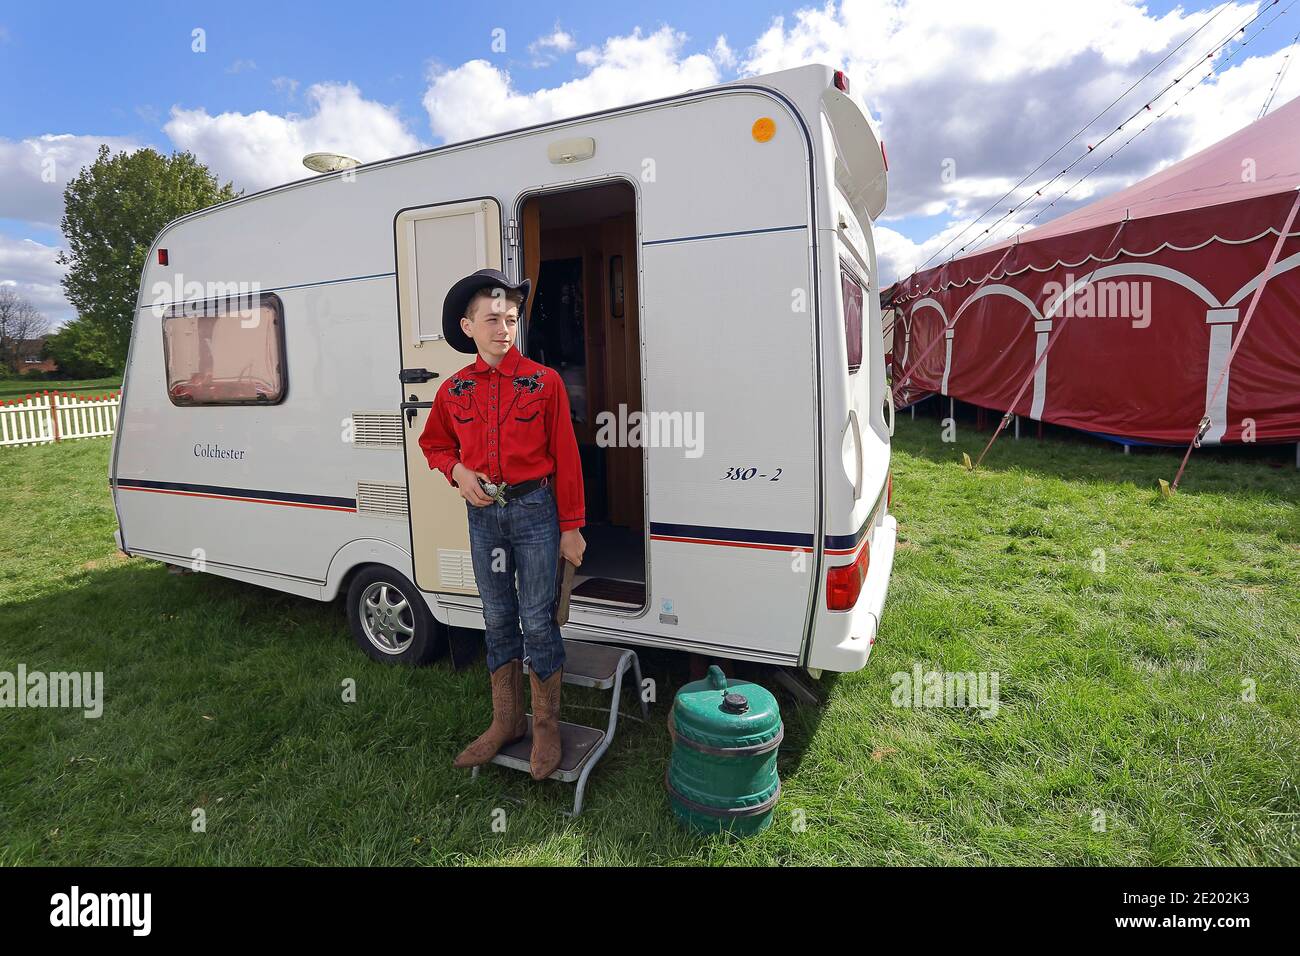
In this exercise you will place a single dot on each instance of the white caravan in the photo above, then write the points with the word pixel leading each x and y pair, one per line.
pixel 702 267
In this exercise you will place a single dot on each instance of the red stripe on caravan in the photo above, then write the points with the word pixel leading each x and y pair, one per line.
pixel 731 544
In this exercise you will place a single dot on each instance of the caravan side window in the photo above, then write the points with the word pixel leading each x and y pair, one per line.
pixel 851 288
pixel 225 351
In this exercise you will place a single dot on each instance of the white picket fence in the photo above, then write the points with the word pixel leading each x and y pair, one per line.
pixel 57 416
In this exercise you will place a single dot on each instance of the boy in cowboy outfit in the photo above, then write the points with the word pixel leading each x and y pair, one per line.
pixel 503 420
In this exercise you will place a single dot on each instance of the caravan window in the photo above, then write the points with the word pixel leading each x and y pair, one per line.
pixel 852 296
pixel 225 351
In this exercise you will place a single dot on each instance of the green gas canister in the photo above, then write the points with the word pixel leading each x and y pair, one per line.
pixel 722 773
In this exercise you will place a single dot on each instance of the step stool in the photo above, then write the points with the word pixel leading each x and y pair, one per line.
pixel 585 665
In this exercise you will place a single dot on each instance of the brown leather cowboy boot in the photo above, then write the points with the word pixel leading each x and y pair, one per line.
pixel 509 722
pixel 546 724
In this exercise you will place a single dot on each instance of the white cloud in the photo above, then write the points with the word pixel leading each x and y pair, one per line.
pixel 32 270
pixel 476 98
pixel 995 87
pixel 723 54
pixel 285 85
pixel 262 149
pixel 545 50
pixel 35 171
pixel 558 40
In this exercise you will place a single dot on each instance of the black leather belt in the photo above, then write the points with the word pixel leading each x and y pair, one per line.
pixel 524 487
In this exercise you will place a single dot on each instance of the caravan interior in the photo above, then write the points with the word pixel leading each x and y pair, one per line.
pixel 579 248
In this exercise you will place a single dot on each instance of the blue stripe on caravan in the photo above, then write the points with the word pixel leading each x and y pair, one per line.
pixel 844 542
pixel 224 491
pixel 794 539
pixel 308 285
pixel 723 235
pixel 282 288
pixel 791 539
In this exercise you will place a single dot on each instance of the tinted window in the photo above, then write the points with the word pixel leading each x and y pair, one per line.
pixel 852 295
pixel 225 351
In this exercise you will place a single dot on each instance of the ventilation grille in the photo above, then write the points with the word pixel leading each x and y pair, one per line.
pixel 456 569
pixel 382 499
pixel 377 429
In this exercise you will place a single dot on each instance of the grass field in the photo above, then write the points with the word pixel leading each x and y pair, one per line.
pixel 1125 735
pixel 18 388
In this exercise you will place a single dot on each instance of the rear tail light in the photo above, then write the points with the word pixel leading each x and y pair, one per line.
pixel 844 584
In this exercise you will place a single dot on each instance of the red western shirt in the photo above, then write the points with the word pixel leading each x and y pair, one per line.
pixel 512 423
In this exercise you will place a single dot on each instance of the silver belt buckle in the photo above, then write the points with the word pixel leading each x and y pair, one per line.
pixel 496 492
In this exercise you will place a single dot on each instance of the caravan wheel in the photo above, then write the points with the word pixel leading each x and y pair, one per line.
pixel 390 620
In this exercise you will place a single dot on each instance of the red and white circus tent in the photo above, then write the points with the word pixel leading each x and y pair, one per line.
pixel 1137 300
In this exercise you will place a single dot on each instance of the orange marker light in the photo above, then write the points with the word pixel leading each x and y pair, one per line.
pixel 763 129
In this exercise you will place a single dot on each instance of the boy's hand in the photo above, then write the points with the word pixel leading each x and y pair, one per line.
pixel 470 489
pixel 572 545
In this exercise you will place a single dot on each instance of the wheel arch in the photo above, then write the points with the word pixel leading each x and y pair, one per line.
pixel 361 553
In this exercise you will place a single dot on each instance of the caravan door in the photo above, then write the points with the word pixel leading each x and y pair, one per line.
pixel 436 245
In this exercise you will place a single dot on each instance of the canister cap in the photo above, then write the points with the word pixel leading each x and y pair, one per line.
pixel 735 703
pixel 726 714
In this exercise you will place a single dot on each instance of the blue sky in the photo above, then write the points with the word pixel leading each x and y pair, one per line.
pixel 400 74
pixel 96 66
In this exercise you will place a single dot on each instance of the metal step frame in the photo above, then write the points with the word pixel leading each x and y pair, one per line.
pixel 601 666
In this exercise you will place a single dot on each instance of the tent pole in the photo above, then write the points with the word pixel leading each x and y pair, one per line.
pixel 1017 428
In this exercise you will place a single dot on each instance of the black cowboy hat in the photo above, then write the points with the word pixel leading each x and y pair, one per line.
pixel 457 301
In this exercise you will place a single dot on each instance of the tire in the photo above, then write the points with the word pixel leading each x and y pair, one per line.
pixel 390 620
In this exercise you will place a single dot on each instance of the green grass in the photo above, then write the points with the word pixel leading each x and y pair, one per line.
pixel 1121 692
pixel 19 388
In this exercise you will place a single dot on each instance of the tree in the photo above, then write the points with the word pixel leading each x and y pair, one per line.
pixel 20 321
pixel 80 352
pixel 113 210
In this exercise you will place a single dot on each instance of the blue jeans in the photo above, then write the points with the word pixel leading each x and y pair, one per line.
pixel 522 539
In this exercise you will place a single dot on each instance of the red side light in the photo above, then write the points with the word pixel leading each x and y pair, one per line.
pixel 841 81
pixel 889 491
pixel 884 155
pixel 844 584
pixel 162 257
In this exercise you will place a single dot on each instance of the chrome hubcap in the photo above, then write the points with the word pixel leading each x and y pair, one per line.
pixel 387 618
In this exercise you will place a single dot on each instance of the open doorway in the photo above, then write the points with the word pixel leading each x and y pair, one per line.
pixel 579 248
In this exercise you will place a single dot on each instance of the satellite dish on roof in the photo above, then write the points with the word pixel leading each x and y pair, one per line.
pixel 329 162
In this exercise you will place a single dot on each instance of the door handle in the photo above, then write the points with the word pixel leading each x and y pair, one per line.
pixel 410 376
pixel 410 408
